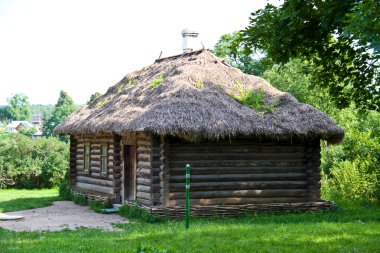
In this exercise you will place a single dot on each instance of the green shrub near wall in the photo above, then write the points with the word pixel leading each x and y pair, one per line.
pixel 40 163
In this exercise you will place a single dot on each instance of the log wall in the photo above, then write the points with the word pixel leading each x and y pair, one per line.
pixel 144 173
pixel 93 181
pixel 73 160
pixel 243 172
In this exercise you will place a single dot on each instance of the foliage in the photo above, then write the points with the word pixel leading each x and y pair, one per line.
pixel 27 131
pixel 293 77
pixel 98 205
pixel 5 114
pixel 80 199
pixel 44 110
pixel 149 249
pixel 352 169
pixel 199 83
pixel 64 190
pixel 341 230
pixel 64 107
pixel 19 108
pixel 93 97
pixel 253 99
pixel 157 81
pixel 40 163
pixel 134 212
pixel 237 56
pixel 15 199
pixel 4 179
pixel 329 36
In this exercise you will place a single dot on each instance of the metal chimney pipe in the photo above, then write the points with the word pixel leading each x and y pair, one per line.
pixel 189 40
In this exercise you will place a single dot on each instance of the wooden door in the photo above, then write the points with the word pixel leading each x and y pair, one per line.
pixel 129 172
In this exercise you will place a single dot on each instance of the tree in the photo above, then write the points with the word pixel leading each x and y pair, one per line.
pixel 64 107
pixel 93 97
pixel 338 39
pixel 19 108
pixel 5 115
pixel 237 56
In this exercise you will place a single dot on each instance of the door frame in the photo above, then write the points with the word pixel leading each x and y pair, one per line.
pixel 129 172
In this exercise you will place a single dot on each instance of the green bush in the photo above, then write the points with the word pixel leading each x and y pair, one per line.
pixel 40 163
pixel 348 182
pixel 98 205
pixel 134 212
pixel 65 190
pixel 80 199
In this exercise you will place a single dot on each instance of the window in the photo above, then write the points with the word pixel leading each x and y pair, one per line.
pixel 103 159
pixel 87 157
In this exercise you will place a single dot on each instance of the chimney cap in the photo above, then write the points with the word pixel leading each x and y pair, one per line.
pixel 190 33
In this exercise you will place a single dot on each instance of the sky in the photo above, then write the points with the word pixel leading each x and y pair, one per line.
pixel 85 46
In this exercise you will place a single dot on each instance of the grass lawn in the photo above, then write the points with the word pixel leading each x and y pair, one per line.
pixel 349 229
pixel 15 199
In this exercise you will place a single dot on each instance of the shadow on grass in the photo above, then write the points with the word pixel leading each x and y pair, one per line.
pixel 26 203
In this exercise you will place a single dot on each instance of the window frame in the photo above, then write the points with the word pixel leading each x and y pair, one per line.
pixel 104 159
pixel 87 156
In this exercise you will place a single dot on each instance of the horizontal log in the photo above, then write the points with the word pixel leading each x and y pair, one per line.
pixel 145 173
pixel 145 202
pixel 80 145
pixel 144 165
pixel 96 175
pixel 143 188
pixel 95 146
pixel 143 150
pixel 242 193
pixel 95 163
pixel 237 170
pixel 110 176
pixel 144 143
pixel 95 157
pixel 241 177
pixel 143 181
pixel 144 157
pixel 79 167
pixel 235 201
pixel 79 156
pixel 144 195
pixel 95 169
pixel 102 189
pixel 235 156
pixel 110 171
pixel 185 148
pixel 239 185
pixel 95 181
pixel 238 163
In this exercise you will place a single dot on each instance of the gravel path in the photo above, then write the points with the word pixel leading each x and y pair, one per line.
pixel 61 215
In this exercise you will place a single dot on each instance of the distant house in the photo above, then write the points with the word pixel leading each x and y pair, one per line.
pixel 16 125
pixel 37 119
pixel 37 134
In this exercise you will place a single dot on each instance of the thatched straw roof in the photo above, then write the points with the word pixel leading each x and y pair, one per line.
pixel 192 95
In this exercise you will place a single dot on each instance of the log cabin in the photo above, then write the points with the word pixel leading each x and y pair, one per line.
pixel 131 144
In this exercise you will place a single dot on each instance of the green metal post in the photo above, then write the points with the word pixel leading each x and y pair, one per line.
pixel 187 211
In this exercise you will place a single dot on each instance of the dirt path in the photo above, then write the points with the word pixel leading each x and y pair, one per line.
pixel 61 215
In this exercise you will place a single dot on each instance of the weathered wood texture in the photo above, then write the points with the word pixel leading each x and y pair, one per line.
pixel 73 158
pixel 164 175
pixel 314 171
pixel 237 210
pixel 116 168
pixel 156 167
pixel 93 181
pixel 243 172
pixel 144 173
